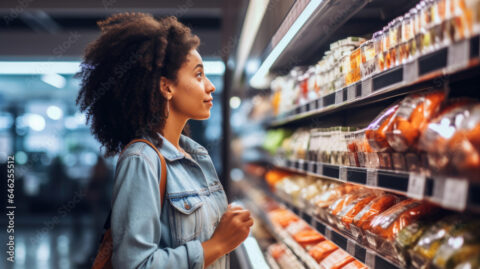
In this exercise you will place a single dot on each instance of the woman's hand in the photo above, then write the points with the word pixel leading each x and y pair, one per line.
pixel 232 230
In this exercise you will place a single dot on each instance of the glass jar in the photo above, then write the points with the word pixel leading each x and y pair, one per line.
pixel 397 40
pixel 426 20
pixel 368 58
pixel 407 36
pixel 378 44
pixel 386 47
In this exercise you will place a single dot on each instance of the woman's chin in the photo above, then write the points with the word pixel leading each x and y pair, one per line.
pixel 203 116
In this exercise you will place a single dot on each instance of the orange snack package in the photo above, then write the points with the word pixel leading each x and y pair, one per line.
pixel 308 237
pixel 282 217
pixel 349 212
pixel 322 250
pixel 274 176
pixel 390 222
pixel 376 132
pixel 412 116
pixel 355 265
pixel 375 207
pixel 276 251
pixel 336 259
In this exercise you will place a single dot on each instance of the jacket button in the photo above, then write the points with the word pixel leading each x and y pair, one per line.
pixel 187 206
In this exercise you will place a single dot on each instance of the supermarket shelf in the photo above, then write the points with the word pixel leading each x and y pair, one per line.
pixel 448 192
pixel 329 16
pixel 447 64
pixel 284 237
pixel 362 253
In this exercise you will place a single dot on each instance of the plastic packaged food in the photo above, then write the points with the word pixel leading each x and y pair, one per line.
pixel 336 260
pixel 461 245
pixel 284 257
pixel 322 250
pixel 451 139
pixel 395 35
pixel 296 227
pixel 274 176
pixel 411 118
pixel 350 211
pixel 376 132
pixel 282 217
pixel 428 244
pixel 390 222
pixel 355 265
pixel 407 238
pixel 386 47
pixel 375 207
pixel 308 237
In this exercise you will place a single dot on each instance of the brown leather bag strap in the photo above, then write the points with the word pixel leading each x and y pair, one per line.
pixel 163 176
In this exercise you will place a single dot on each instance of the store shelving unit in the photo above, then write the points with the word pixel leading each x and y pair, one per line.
pixel 443 66
pixel 450 63
pixel 449 192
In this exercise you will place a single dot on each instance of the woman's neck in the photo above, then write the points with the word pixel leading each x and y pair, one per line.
pixel 173 128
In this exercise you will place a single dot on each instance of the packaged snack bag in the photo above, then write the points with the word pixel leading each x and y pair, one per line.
pixel 355 265
pixel 376 132
pixel 282 217
pixel 413 114
pixel 322 250
pixel 336 260
pixel 308 237
pixel 375 207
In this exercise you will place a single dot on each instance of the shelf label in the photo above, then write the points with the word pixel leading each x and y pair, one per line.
pixel 458 55
pixel 410 71
pixel 367 87
pixel 351 247
pixel 300 164
pixel 311 167
pixel 370 259
pixel 339 97
pixel 328 233
pixel 343 173
pixel 372 177
pixel 416 185
pixel 351 93
pixel 319 169
pixel 455 194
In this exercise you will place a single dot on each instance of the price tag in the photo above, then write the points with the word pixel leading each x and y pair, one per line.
pixel 351 93
pixel 339 97
pixel 300 164
pixel 370 259
pixel 328 233
pixel 458 55
pixel 455 194
pixel 416 185
pixel 410 71
pixel 372 177
pixel 311 167
pixel 351 247
pixel 367 87
pixel 319 169
pixel 343 173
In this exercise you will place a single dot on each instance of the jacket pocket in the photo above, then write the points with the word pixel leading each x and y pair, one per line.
pixel 186 217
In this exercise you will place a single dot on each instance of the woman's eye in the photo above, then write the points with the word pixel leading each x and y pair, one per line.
pixel 199 74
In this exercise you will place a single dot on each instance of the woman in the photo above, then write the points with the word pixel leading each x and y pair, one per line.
pixel 144 78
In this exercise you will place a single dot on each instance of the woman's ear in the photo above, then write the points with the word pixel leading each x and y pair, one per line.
pixel 166 88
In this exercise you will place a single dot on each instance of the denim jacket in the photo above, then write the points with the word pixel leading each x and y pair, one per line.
pixel 147 236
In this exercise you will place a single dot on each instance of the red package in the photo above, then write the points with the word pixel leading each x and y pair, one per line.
pixel 336 260
pixel 322 250
pixel 376 132
pixel 412 116
pixel 375 207
pixel 282 217
pixel 308 237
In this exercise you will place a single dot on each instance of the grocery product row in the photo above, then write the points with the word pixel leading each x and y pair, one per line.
pixel 430 27
pixel 401 231
pixel 299 245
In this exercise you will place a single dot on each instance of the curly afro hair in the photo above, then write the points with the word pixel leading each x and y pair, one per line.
pixel 120 76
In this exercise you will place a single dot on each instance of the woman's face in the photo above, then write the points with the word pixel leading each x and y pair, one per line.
pixel 192 94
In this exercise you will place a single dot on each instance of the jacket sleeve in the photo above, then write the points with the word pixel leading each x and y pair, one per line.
pixel 135 221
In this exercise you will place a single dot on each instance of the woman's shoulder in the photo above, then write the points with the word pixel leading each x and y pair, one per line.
pixel 141 151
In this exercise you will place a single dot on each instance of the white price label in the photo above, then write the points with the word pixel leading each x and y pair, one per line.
pixel 319 169
pixel 458 55
pixel 367 87
pixel 410 71
pixel 300 164
pixel 343 173
pixel 339 97
pixel 351 90
pixel 372 177
pixel 351 247
pixel 328 233
pixel 370 259
pixel 416 185
pixel 455 194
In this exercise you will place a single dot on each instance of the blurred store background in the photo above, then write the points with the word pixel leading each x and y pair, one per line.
pixel 62 181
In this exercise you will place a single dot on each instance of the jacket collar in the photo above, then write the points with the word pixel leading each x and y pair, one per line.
pixel 171 153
